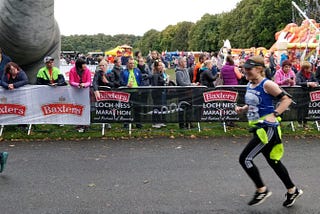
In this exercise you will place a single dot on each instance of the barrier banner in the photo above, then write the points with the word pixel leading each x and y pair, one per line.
pixel 307 103
pixel 147 104
pixel 219 104
pixel 33 104
pixel 191 104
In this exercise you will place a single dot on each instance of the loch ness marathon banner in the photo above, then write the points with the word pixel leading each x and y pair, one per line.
pixel 196 104
pixel 34 104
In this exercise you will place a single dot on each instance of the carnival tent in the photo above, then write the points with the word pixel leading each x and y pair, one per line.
pixel 297 37
pixel 117 51
pixel 123 50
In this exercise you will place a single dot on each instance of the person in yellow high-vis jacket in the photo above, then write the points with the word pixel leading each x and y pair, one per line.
pixel 264 121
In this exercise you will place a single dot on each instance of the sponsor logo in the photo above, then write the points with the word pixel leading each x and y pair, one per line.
pixel 12 109
pixel 62 108
pixel 9 108
pixel 220 95
pixel 114 96
pixel 315 96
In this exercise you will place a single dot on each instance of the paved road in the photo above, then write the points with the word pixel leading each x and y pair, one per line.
pixel 149 176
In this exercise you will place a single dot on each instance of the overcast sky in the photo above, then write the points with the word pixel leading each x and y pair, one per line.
pixel 131 16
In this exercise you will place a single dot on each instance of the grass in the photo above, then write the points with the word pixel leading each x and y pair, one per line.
pixel 94 132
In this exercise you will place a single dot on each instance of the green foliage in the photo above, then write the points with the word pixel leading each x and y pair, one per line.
pixel 205 34
pixel 150 41
pixel 167 36
pixel 181 37
pixel 253 23
pixel 99 42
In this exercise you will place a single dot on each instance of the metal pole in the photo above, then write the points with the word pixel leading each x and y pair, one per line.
pixel 307 18
pixel 304 15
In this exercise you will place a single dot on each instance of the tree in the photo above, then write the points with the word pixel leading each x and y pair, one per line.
pixel 150 41
pixel 253 23
pixel 181 36
pixel 167 36
pixel 205 35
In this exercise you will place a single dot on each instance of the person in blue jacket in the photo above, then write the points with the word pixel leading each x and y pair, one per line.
pixel 132 78
pixel 13 77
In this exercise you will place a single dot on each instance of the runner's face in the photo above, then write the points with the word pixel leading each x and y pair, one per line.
pixel 251 73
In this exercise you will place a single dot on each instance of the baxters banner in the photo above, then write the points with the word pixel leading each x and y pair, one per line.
pixel 45 105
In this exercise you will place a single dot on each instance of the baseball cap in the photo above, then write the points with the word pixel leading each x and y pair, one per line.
pixel 253 62
pixel 48 59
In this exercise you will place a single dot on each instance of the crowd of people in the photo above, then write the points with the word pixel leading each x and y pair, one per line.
pixel 263 76
pixel 211 69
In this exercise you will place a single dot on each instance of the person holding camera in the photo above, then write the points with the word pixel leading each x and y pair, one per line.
pixel 285 76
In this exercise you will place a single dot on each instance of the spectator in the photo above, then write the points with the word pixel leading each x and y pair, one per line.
pixel 267 69
pixel 4 59
pixel 157 94
pixel 272 63
pixel 243 80
pixel 80 77
pixel 183 79
pixel 154 55
pixel 215 61
pixel 99 59
pixel 145 71
pixel 137 55
pixel 126 54
pixel 190 60
pixel 50 75
pixel 146 81
pixel 13 77
pixel 206 76
pixel 132 78
pixel 196 73
pixel 116 70
pixel 284 56
pixel 230 74
pixel 102 78
pixel 90 60
pixel 305 78
pixel 285 76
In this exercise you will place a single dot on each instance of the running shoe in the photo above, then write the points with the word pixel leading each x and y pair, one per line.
pixel 291 198
pixel 259 198
pixel 3 160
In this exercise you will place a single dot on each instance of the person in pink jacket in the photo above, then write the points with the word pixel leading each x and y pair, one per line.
pixel 80 75
pixel 285 76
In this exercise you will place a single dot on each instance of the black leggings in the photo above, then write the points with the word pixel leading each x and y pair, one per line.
pixel 253 148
